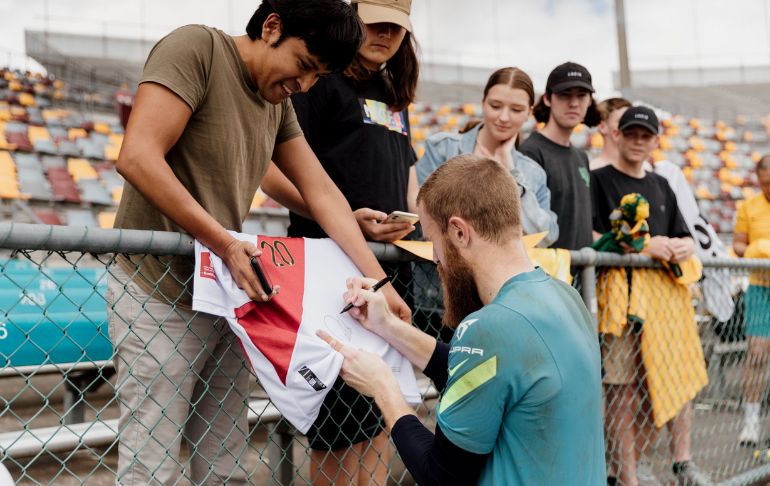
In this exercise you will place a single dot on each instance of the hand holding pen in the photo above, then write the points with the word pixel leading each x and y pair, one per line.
pixel 374 288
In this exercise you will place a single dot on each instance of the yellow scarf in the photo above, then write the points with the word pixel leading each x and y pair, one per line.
pixel 671 350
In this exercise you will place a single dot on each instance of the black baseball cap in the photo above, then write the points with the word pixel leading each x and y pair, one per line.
pixel 639 116
pixel 568 75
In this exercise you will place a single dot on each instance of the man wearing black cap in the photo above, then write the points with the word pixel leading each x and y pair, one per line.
pixel 624 374
pixel 567 102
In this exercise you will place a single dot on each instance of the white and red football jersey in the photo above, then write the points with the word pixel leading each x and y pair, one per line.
pixel 294 366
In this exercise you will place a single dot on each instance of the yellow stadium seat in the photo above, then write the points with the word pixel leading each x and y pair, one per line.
pixel 665 143
pixel 74 133
pixel 658 155
pixel 5 113
pixel 420 151
pixel 418 135
pixel 258 199
pixel 18 111
pixel 736 180
pixel 695 123
pixel 81 169
pixel 58 84
pixel 579 129
pixel 111 152
pixel 117 193
pixel 102 128
pixel 696 143
pixel 730 146
pixel 724 174
pixel 37 133
pixel 26 99
pixel 755 156
pixel 106 219
pixel 672 131
pixel 469 109
pixel 6 160
pixel 444 110
pixel 14 85
pixel 702 192
pixel 116 139
pixel 597 140
pixel 687 171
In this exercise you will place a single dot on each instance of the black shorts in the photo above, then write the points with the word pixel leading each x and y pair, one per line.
pixel 346 418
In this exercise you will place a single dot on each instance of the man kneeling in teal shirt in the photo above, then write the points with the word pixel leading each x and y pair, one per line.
pixel 521 378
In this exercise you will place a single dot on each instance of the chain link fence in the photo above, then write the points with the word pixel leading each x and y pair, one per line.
pixel 663 354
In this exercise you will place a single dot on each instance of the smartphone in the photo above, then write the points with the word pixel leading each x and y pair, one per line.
pixel 402 217
pixel 262 276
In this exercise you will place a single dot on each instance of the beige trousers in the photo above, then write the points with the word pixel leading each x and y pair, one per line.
pixel 180 374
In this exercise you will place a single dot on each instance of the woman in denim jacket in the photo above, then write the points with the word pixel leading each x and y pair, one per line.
pixel 506 105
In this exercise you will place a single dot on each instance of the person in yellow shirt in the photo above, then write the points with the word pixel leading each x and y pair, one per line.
pixel 752 233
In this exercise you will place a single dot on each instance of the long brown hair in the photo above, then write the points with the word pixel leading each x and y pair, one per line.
pixel 508 76
pixel 400 73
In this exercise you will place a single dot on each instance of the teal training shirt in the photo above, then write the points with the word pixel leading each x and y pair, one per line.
pixel 525 385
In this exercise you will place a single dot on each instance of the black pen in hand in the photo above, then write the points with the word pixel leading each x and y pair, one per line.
pixel 374 288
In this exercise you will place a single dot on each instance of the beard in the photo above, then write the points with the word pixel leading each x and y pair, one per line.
pixel 461 296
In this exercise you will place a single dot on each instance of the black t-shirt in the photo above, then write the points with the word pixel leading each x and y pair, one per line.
pixel 568 179
pixel 363 145
pixel 609 185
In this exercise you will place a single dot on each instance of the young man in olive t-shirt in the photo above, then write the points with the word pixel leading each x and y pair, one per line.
pixel 567 102
pixel 210 113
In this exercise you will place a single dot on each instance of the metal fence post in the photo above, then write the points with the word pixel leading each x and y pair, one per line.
pixel 588 281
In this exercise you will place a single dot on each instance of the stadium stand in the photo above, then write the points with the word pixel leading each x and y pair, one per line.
pixel 716 156
pixel 58 157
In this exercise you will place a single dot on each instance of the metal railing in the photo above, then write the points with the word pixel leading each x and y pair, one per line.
pixel 59 408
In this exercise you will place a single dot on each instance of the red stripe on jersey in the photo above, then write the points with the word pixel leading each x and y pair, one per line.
pixel 272 326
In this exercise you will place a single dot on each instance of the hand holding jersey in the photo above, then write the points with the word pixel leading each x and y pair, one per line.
pixel 246 279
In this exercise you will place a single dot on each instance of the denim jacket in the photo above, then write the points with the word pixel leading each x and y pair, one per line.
pixel 536 214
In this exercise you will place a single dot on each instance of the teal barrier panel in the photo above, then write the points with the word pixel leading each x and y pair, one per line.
pixel 14 302
pixel 58 338
pixel 52 315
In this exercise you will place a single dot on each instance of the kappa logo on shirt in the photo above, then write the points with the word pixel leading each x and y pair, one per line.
pixel 378 113
pixel 460 332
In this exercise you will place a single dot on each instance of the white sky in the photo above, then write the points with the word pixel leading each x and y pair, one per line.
pixel 532 34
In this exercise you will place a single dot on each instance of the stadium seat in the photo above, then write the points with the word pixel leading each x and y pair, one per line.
pixel 91 190
pixel 80 217
pixel 47 216
pixel 107 219
pixel 81 169
pixel 62 185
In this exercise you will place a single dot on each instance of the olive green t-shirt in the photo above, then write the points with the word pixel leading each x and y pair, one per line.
pixel 220 157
